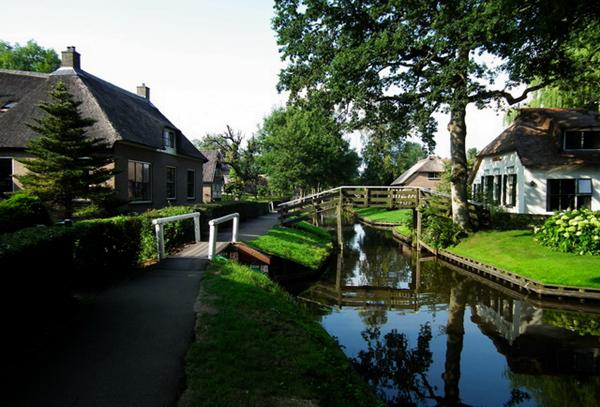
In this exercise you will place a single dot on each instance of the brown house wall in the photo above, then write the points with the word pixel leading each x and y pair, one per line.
pixel 159 162
pixel 420 180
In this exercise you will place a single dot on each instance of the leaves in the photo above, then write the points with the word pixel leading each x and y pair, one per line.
pixel 28 57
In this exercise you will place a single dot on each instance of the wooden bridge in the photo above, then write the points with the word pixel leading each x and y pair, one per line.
pixel 391 197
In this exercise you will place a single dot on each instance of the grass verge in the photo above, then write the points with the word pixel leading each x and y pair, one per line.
pixel 404 230
pixel 303 243
pixel 256 346
pixel 517 251
pixel 403 216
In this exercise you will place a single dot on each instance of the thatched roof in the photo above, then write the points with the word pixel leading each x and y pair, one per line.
pixel 537 136
pixel 429 164
pixel 120 115
pixel 210 167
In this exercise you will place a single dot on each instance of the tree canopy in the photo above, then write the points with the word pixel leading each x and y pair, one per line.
pixel 384 159
pixel 66 164
pixel 241 160
pixel 28 57
pixel 303 150
pixel 384 62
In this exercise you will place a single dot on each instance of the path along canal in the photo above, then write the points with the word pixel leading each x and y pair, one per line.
pixel 423 334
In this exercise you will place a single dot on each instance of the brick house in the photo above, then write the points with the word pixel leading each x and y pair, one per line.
pixel 425 173
pixel 157 165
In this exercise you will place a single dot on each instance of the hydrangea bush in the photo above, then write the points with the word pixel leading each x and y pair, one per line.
pixel 576 231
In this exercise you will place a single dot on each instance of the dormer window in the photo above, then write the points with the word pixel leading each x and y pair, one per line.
pixel 169 140
pixel 582 140
pixel 7 106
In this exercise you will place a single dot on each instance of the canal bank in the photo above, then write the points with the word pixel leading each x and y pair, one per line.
pixel 421 333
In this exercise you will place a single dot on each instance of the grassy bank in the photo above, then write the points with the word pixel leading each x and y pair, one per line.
pixel 517 251
pixel 403 216
pixel 303 243
pixel 256 346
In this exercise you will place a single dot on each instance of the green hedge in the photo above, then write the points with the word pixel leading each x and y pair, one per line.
pixel 22 210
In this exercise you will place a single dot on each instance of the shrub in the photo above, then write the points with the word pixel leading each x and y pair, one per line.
pixel 22 210
pixel 106 248
pixel 576 231
pixel 501 220
pixel 440 231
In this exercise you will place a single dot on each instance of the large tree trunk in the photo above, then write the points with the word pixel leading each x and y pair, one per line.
pixel 455 332
pixel 458 131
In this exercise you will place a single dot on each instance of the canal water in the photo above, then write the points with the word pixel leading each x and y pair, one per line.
pixel 423 334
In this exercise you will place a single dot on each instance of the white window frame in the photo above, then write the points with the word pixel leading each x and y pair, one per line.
pixel 174 197
pixel 141 201
pixel 187 183
pixel 167 132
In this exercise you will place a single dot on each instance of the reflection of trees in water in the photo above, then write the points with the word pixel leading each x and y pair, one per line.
pixel 399 373
pixel 373 316
pixel 559 391
pixel 374 259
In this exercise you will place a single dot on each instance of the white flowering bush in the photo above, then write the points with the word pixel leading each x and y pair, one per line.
pixel 576 231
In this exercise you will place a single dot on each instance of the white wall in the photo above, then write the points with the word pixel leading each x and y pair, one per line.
pixel 499 165
pixel 536 195
pixel 532 183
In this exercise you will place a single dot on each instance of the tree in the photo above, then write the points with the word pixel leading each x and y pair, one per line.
pixel 303 150
pixel 66 164
pixel 396 63
pixel 28 57
pixel 385 158
pixel 242 162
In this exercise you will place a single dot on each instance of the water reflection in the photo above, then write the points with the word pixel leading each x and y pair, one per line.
pixel 423 334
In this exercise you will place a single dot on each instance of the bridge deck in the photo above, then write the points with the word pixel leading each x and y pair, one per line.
pixel 199 250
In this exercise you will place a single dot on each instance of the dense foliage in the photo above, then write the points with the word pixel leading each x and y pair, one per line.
pixel 303 150
pixel 28 57
pixel 398 63
pixel 576 231
pixel 22 210
pixel 66 164
pixel 385 158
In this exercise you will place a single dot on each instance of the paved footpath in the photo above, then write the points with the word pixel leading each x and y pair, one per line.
pixel 127 347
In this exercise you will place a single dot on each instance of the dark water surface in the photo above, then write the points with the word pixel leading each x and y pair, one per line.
pixel 422 334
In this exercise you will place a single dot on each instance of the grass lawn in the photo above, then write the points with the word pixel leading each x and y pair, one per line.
pixel 256 346
pixel 304 243
pixel 403 216
pixel 516 251
pixel 404 230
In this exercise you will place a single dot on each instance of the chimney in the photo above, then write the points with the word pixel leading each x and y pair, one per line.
pixel 71 58
pixel 143 91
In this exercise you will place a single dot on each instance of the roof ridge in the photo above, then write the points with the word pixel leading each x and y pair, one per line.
pixel 25 73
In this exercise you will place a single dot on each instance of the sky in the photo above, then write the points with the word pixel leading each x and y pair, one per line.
pixel 208 63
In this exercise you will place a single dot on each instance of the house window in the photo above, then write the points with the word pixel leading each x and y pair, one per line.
pixel 139 181
pixel 497 189
pixel 191 184
pixel 433 175
pixel 171 183
pixel 217 189
pixel 509 192
pixel 7 106
pixel 582 140
pixel 6 181
pixel 169 139
pixel 488 188
pixel 566 194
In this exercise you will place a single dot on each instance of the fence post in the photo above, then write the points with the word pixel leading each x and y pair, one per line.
pixel 197 228
pixel 160 240
pixel 212 240
pixel 234 233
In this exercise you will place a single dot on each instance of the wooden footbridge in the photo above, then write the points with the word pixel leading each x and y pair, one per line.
pixel 391 197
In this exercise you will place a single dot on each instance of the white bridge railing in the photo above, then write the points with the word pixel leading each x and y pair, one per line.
pixel 160 235
pixel 214 230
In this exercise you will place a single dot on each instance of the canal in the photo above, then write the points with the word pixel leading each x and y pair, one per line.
pixel 423 334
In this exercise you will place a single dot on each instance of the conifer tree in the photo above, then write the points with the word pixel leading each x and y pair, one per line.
pixel 66 164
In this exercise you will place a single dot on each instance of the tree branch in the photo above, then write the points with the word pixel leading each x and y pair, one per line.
pixel 494 94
